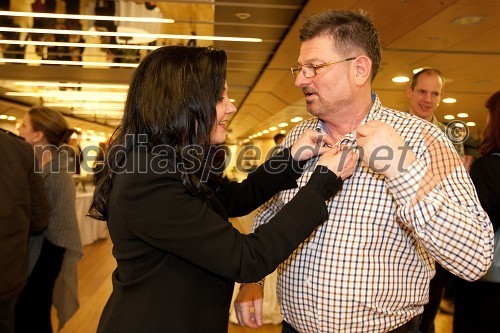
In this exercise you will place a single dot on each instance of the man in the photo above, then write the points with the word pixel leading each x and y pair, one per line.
pixel 24 209
pixel 409 203
pixel 425 93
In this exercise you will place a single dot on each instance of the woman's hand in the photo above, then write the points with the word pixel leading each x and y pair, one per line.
pixel 309 144
pixel 342 162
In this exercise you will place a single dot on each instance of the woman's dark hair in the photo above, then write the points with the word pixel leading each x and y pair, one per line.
pixel 491 136
pixel 52 124
pixel 171 101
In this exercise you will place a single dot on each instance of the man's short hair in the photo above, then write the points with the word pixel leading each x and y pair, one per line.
pixel 427 70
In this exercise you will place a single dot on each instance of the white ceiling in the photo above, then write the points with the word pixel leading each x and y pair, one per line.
pixel 414 33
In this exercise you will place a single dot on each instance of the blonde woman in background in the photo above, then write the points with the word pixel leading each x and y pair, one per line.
pixel 53 255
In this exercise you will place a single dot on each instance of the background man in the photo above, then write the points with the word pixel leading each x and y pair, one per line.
pixel 23 210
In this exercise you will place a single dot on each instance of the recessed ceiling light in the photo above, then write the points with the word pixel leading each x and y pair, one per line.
pixel 470 124
pixel 449 117
pixel 11 118
pixel 265 131
pixel 3 116
pixel 462 115
pixel 273 128
pixel 283 132
pixel 283 125
pixel 400 79
pixel 468 20
pixel 449 100
pixel 243 16
pixel 296 119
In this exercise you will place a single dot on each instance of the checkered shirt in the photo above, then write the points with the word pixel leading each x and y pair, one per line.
pixel 368 267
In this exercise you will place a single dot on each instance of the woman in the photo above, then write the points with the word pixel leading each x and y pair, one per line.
pixel 167 210
pixel 53 279
pixel 477 304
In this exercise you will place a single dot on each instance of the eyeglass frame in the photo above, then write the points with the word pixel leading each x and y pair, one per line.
pixel 315 67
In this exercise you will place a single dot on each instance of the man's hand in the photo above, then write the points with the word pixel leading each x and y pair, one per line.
pixel 384 150
pixel 309 144
pixel 248 305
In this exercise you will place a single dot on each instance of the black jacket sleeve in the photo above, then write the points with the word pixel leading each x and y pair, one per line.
pixel 278 173
pixel 161 213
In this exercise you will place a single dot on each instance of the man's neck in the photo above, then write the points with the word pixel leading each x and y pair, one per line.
pixel 339 124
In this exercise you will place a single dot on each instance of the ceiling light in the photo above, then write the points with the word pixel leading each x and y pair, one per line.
pixel 468 20
pixel 130 34
pixel 259 134
pixel 470 123
pixel 283 132
pixel 119 96
pixel 449 100
pixel 69 62
pixel 449 117
pixel 243 16
pixel 232 100
pixel 273 128
pixel 11 118
pixel 283 125
pixel 89 45
pixel 87 17
pixel 296 119
pixel 3 116
pixel 70 85
pixel 462 115
pixel 400 79
pixel 265 131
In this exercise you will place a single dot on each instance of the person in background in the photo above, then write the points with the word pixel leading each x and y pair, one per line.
pixel 477 304
pixel 24 210
pixel 424 93
pixel 367 269
pixel 177 254
pixel 55 253
pixel 278 138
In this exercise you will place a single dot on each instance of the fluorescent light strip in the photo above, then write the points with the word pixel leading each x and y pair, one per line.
pixel 62 96
pixel 67 44
pixel 78 94
pixel 129 34
pixel 69 62
pixel 70 85
pixel 97 106
pixel 87 17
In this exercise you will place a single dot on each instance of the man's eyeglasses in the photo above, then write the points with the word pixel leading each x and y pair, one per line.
pixel 310 70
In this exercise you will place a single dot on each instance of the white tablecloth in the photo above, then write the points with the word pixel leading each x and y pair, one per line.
pixel 90 229
pixel 270 308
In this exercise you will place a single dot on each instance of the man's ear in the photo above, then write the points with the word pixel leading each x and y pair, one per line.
pixel 409 92
pixel 363 69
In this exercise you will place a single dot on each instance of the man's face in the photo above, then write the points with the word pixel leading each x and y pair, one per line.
pixel 331 88
pixel 425 96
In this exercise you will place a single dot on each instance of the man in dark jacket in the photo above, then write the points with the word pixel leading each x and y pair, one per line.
pixel 23 210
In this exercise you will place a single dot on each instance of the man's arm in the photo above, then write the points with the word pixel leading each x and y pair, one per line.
pixel 40 209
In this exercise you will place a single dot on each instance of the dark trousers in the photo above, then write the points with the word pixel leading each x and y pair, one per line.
pixel 442 280
pixel 35 302
pixel 410 326
pixel 7 307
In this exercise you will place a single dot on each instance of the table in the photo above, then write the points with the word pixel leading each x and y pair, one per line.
pixel 270 308
pixel 91 230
